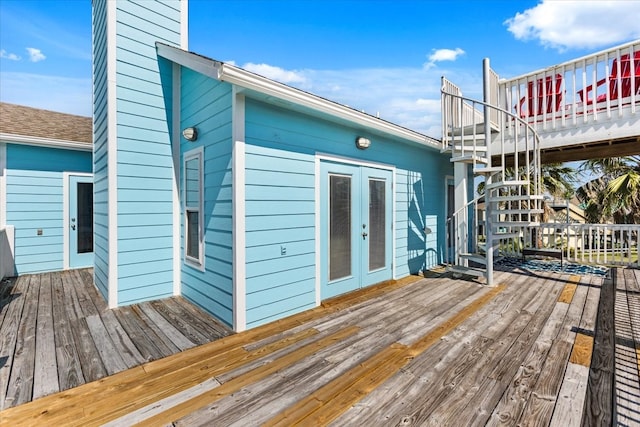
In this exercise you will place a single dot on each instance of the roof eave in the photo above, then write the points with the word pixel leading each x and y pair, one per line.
pixel 246 79
pixel 45 142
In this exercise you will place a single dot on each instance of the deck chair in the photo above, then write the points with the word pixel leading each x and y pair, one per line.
pixel 546 99
pixel 625 80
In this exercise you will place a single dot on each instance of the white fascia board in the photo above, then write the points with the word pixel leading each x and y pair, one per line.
pixel 248 80
pixel 45 142
pixel 3 184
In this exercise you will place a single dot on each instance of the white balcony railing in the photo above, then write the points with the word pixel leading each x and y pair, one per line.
pixel 604 244
pixel 595 88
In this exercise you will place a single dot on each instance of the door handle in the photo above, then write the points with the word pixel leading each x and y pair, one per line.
pixel 73 226
pixel 364 234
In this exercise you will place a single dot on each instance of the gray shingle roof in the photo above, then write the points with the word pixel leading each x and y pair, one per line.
pixel 28 121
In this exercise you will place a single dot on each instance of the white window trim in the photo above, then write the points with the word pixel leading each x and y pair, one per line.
pixel 196 153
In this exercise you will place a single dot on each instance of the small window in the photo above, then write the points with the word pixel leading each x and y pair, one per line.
pixel 193 218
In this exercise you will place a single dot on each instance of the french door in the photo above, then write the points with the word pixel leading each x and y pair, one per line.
pixel 355 227
pixel 80 221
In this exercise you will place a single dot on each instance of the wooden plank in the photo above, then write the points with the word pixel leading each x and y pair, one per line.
pixel 176 337
pixel 150 326
pixel 92 290
pixel 569 289
pixel 9 334
pixel 185 408
pixel 45 378
pixel 85 300
pixel 7 287
pixel 146 346
pixel 539 407
pixel 135 388
pixel 90 361
pixel 219 329
pixel 600 388
pixel 166 309
pixel 20 386
pixel 69 369
pixel 71 302
pixel 568 409
pixel 130 354
pixel 582 350
pixel 109 355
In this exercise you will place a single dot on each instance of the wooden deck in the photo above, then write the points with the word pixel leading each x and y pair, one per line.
pixel 434 351
pixel 57 333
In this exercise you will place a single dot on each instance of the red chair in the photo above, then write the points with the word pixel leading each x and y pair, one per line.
pixel 546 99
pixel 625 80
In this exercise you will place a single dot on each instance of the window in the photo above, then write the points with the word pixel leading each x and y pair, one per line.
pixel 193 218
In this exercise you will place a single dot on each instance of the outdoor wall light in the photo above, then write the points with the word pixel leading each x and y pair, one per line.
pixel 362 143
pixel 190 134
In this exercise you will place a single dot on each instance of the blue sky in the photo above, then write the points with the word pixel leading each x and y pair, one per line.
pixel 380 56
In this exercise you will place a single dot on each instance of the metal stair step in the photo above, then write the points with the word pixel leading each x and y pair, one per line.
pixel 523 211
pixel 515 198
pixel 500 184
pixel 487 170
pixel 469 271
pixel 475 257
pixel 470 159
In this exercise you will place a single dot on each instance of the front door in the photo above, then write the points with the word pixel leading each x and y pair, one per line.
pixel 80 221
pixel 355 227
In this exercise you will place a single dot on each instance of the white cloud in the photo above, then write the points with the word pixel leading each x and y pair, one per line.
pixel 11 56
pixel 577 24
pixel 63 94
pixel 275 73
pixel 439 55
pixel 35 55
pixel 409 97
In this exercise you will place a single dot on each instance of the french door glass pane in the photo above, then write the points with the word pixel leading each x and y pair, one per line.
pixel 85 217
pixel 377 230
pixel 339 226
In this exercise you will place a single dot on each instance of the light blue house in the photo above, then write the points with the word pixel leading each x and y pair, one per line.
pixel 46 194
pixel 250 198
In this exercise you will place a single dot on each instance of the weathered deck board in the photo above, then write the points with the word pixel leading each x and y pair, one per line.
pixel 45 378
pixel 56 333
pixel 599 400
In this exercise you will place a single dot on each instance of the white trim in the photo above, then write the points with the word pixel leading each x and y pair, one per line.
pixel 66 213
pixel 196 153
pixel 319 157
pixel 46 142
pixel 317 233
pixel 237 76
pixel 3 184
pixel 239 214
pixel 175 152
pixel 184 24
pixel 112 154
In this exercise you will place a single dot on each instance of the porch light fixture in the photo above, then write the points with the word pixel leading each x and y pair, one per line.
pixel 190 134
pixel 362 143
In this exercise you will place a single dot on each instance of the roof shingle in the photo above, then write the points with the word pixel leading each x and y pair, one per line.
pixel 34 122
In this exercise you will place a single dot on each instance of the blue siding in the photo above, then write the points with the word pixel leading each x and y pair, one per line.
pixel 35 202
pixel 207 103
pixel 145 166
pixel 100 145
pixel 280 204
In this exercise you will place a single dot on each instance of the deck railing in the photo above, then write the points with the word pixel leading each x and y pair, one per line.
pixel 597 87
pixel 7 267
pixel 605 244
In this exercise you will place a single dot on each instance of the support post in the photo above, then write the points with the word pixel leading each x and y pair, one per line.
pixel 486 89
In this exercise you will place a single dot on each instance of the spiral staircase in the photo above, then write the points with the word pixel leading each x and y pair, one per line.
pixel 502 151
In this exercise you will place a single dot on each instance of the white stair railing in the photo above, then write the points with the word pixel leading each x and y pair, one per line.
pixel 514 199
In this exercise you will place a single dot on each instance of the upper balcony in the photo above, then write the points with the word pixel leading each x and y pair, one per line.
pixel 585 108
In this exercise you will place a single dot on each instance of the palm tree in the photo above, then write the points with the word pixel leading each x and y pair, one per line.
pixel 614 194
